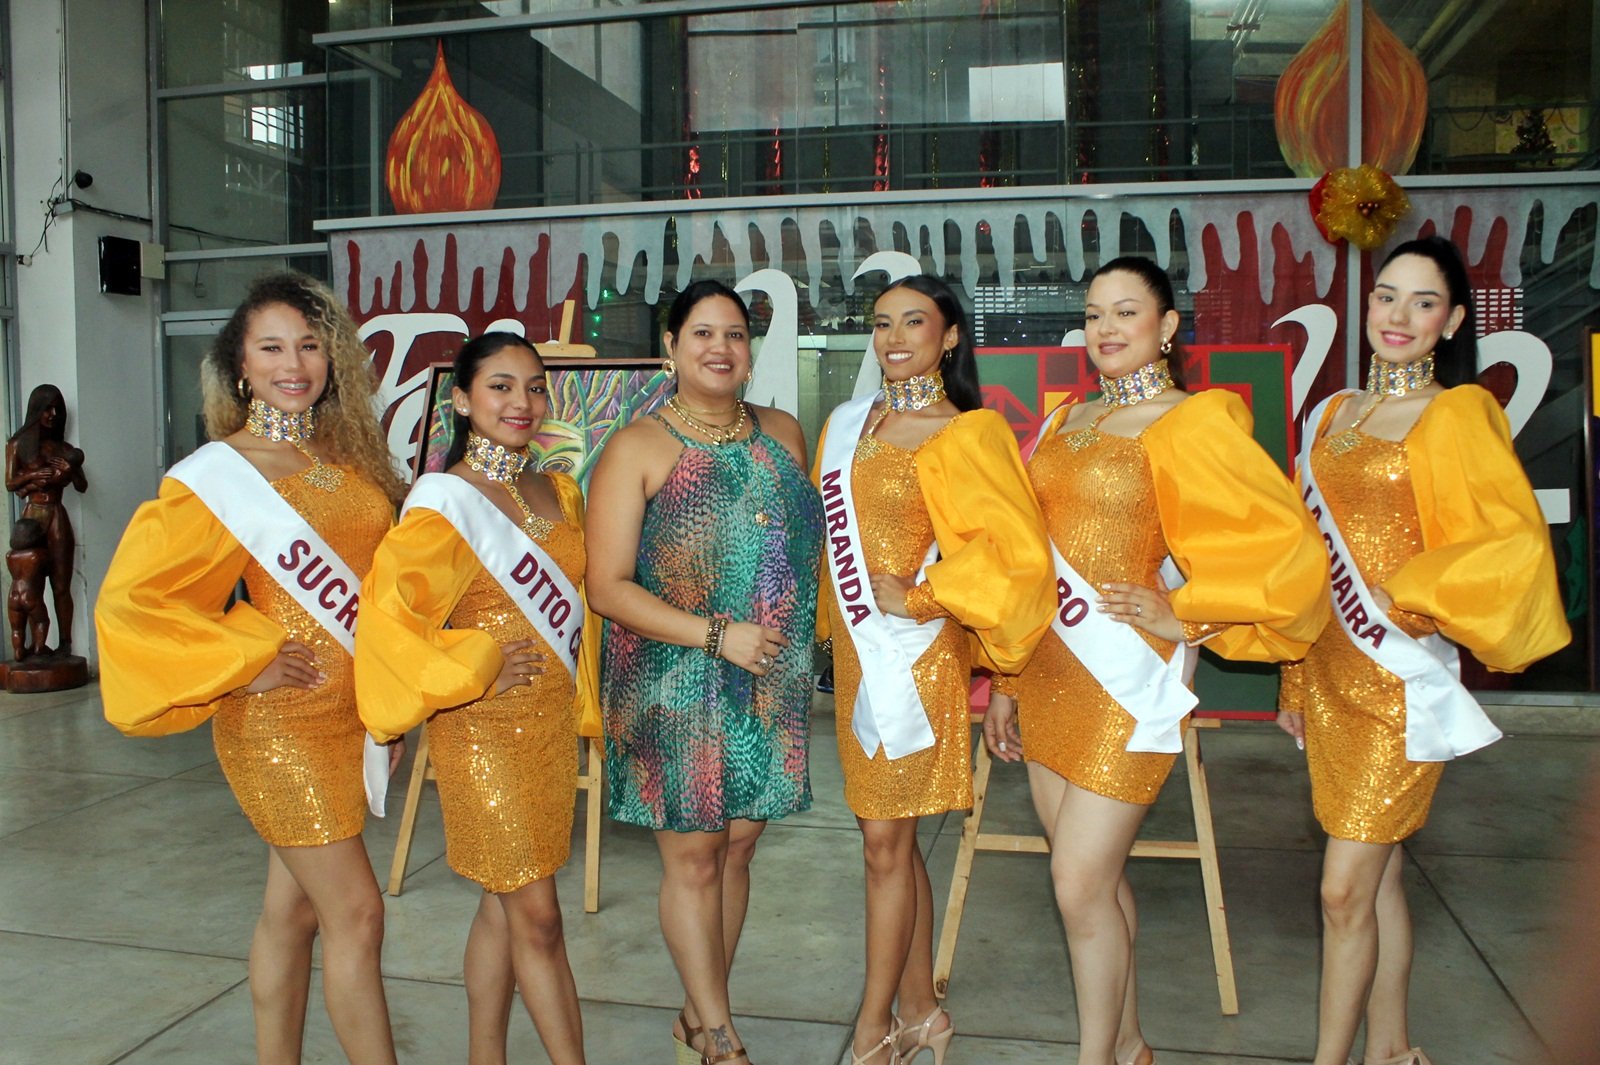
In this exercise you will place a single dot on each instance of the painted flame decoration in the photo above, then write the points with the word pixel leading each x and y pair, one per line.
pixel 442 154
pixel 1312 101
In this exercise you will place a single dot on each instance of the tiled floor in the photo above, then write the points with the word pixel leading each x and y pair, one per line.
pixel 129 883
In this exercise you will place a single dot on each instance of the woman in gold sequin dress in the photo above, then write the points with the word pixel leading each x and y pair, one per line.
pixel 289 387
pixel 502 710
pixel 928 467
pixel 1425 489
pixel 1148 473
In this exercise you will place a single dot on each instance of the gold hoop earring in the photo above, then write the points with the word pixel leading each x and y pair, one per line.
pixel 242 387
pixel 1166 345
pixel 750 375
pixel 669 367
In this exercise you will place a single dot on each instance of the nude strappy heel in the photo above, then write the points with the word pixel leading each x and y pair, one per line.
pixel 927 1038
pixel 1414 1056
pixel 890 1042
pixel 706 1059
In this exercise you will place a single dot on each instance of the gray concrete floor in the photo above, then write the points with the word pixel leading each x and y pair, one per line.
pixel 129 883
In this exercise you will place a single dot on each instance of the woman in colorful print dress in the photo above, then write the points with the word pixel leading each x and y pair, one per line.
pixel 704 543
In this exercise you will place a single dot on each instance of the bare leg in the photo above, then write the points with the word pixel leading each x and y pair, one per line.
pixel 1388 1036
pixel 1351 873
pixel 691 922
pixel 1091 836
pixel 539 955
pixel 280 966
pixel 1130 1037
pixel 742 837
pixel 889 847
pixel 916 1000
pixel 338 879
pixel 490 984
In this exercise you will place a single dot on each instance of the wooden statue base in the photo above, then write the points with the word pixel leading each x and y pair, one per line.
pixel 53 672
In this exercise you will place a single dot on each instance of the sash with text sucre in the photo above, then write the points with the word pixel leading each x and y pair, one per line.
pixel 528 575
pixel 1153 690
pixel 1443 720
pixel 887 710
pixel 292 553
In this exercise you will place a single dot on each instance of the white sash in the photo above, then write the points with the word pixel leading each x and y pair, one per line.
pixel 1443 721
pixel 293 553
pixel 1153 690
pixel 888 710
pixel 518 564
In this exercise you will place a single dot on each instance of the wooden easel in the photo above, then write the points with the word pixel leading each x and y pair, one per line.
pixel 1203 848
pixel 588 781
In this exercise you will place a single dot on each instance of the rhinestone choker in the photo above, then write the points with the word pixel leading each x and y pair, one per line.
pixel 1399 378
pixel 914 393
pixel 1147 382
pixel 270 423
pixel 499 464
pixel 502 466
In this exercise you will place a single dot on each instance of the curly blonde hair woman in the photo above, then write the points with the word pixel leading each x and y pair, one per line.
pixel 296 459
pixel 346 424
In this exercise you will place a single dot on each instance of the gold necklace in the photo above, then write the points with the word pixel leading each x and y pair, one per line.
pixel 281 426
pixel 503 466
pixel 681 406
pixel 717 434
pixel 1399 378
pixel 1136 386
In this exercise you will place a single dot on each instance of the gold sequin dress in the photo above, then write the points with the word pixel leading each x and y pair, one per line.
pixel 1446 524
pixel 965 488
pixel 1362 786
pixel 1194 484
pixel 507 764
pixel 1100 510
pixel 170 656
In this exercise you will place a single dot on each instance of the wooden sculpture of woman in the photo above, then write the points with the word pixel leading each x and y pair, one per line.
pixel 40 464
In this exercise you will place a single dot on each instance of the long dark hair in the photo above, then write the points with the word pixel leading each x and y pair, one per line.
pixel 678 313
pixel 1160 285
pixel 41 399
pixel 1455 360
pixel 468 361
pixel 960 364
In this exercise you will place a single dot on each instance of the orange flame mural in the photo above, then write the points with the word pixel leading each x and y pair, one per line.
pixel 442 154
pixel 1312 101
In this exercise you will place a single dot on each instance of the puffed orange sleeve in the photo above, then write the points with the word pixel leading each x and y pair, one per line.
pixel 1253 559
pixel 168 648
pixel 993 575
pixel 1486 573
pixel 408 665
pixel 588 679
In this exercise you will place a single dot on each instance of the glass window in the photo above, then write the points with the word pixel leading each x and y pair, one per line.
pixel 207 42
pixel 243 167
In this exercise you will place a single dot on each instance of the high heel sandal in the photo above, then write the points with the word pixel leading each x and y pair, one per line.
pixel 891 1041
pixel 927 1038
pixel 1145 1056
pixel 687 1054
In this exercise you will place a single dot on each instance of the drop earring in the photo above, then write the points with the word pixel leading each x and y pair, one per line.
pixel 1166 345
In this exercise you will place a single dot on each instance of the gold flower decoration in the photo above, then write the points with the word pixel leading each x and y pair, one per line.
pixel 1361 204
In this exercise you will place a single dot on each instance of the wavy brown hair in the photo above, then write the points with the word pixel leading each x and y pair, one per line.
pixel 347 421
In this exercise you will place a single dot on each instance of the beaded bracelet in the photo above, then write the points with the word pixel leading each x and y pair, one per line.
pixel 715 629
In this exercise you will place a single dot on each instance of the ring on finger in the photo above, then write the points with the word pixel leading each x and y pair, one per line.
pixel 766 660
pixel 1138 611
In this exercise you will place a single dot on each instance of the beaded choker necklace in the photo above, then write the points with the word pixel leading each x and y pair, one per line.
pixel 1147 382
pixel 270 423
pixel 503 466
pixel 914 393
pixel 1399 378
